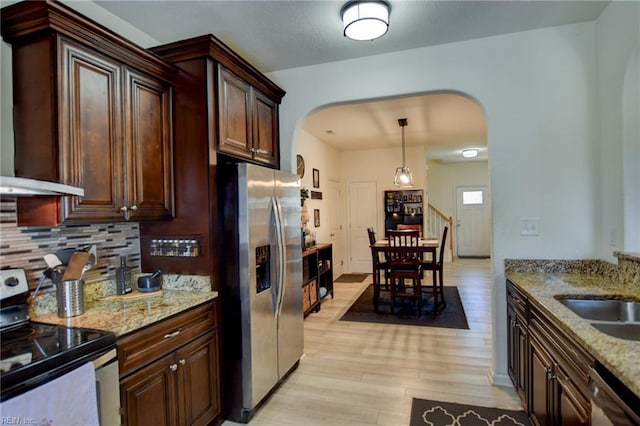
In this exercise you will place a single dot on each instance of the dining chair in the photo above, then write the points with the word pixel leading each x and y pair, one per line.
pixel 405 226
pixel 380 262
pixel 437 290
pixel 404 265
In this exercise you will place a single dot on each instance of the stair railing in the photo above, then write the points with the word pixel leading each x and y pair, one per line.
pixel 436 221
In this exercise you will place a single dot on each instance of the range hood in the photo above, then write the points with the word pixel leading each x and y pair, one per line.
pixel 18 186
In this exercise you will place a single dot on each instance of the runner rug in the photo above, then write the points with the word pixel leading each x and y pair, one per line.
pixel 350 278
pixel 452 316
pixel 436 413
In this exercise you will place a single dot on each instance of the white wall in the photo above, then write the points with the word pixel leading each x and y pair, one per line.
pixel 443 178
pixel 326 160
pixel 538 90
pixel 618 36
pixel 379 166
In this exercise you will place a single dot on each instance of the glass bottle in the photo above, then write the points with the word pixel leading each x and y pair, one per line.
pixel 123 277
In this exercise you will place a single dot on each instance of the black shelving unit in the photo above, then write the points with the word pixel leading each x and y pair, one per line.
pixel 317 276
pixel 404 207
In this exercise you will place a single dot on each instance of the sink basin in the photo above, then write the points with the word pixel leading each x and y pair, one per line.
pixel 616 317
pixel 628 331
pixel 604 309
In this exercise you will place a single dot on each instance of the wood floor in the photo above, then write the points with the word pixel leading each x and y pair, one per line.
pixel 359 374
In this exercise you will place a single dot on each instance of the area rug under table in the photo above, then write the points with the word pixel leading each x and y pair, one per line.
pixel 452 316
pixel 437 413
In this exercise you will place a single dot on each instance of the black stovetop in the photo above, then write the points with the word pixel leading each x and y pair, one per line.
pixel 33 353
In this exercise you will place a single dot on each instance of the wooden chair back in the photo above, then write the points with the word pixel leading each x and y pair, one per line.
pixel 442 245
pixel 404 227
pixel 403 248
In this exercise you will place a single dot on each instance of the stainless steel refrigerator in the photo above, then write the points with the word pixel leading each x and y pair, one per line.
pixel 261 283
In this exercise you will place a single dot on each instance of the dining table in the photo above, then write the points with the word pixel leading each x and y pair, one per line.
pixel 382 246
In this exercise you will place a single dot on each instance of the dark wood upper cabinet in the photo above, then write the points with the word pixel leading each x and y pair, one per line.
pixel 90 110
pixel 221 104
pixel 248 121
pixel 243 102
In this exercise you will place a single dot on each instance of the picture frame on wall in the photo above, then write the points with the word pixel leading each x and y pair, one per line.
pixel 316 218
pixel 316 178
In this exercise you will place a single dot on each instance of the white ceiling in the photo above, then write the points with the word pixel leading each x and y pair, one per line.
pixel 275 35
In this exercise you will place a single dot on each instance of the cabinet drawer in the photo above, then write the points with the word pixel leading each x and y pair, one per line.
pixel 517 301
pixel 144 346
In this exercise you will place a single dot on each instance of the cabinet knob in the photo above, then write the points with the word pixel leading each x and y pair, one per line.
pixel 124 209
pixel 173 367
pixel 133 207
pixel 182 361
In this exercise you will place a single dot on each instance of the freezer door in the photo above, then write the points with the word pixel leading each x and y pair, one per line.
pixel 290 318
pixel 257 291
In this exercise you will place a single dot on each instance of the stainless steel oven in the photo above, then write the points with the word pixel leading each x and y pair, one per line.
pixel 612 403
pixel 33 354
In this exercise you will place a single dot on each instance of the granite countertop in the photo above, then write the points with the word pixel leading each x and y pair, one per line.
pixel 618 355
pixel 127 315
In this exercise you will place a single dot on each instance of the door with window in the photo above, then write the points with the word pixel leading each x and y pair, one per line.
pixel 473 221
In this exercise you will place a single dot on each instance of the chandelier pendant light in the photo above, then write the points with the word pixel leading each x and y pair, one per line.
pixel 365 19
pixel 403 177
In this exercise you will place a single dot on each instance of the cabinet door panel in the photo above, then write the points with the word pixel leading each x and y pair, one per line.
pixel 91 134
pixel 235 115
pixel 265 132
pixel 540 393
pixel 198 389
pixel 148 133
pixel 573 409
pixel 148 396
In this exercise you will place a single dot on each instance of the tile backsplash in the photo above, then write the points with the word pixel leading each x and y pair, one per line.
pixel 24 247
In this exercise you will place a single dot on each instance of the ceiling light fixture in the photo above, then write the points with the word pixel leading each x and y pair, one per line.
pixel 365 20
pixel 469 153
pixel 403 177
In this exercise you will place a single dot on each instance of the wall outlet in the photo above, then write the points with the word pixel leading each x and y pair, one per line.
pixel 529 226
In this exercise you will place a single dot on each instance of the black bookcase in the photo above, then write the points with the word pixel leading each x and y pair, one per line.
pixel 404 207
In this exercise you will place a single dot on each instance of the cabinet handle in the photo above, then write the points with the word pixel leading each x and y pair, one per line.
pixel 174 334
pixel 123 209
pixel 252 150
pixel 133 207
pixel 182 361
pixel 173 367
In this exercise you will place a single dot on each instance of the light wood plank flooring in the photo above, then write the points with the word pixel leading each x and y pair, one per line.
pixel 359 374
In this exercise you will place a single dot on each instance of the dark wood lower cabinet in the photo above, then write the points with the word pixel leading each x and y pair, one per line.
pixel 547 367
pixel 169 371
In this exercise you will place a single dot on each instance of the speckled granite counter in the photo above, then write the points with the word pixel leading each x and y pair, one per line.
pixel 542 284
pixel 124 316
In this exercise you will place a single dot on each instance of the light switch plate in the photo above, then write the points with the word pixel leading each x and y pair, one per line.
pixel 529 226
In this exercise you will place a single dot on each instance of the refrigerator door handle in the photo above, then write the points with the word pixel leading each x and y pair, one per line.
pixel 280 255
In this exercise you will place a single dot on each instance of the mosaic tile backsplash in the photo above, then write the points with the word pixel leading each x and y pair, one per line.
pixel 24 247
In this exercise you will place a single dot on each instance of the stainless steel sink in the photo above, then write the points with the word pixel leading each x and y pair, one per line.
pixel 627 331
pixel 604 309
pixel 616 317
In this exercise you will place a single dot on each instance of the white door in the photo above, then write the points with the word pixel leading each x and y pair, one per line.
pixel 473 221
pixel 363 213
pixel 336 218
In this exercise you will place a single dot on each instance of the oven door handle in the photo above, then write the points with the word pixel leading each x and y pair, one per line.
pixel 104 359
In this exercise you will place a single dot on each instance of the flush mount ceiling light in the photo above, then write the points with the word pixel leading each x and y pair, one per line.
pixel 469 153
pixel 365 20
pixel 403 177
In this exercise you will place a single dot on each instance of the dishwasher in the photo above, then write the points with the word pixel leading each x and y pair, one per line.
pixel 612 403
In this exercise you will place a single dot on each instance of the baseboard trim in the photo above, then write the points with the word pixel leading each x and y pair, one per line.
pixel 500 379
